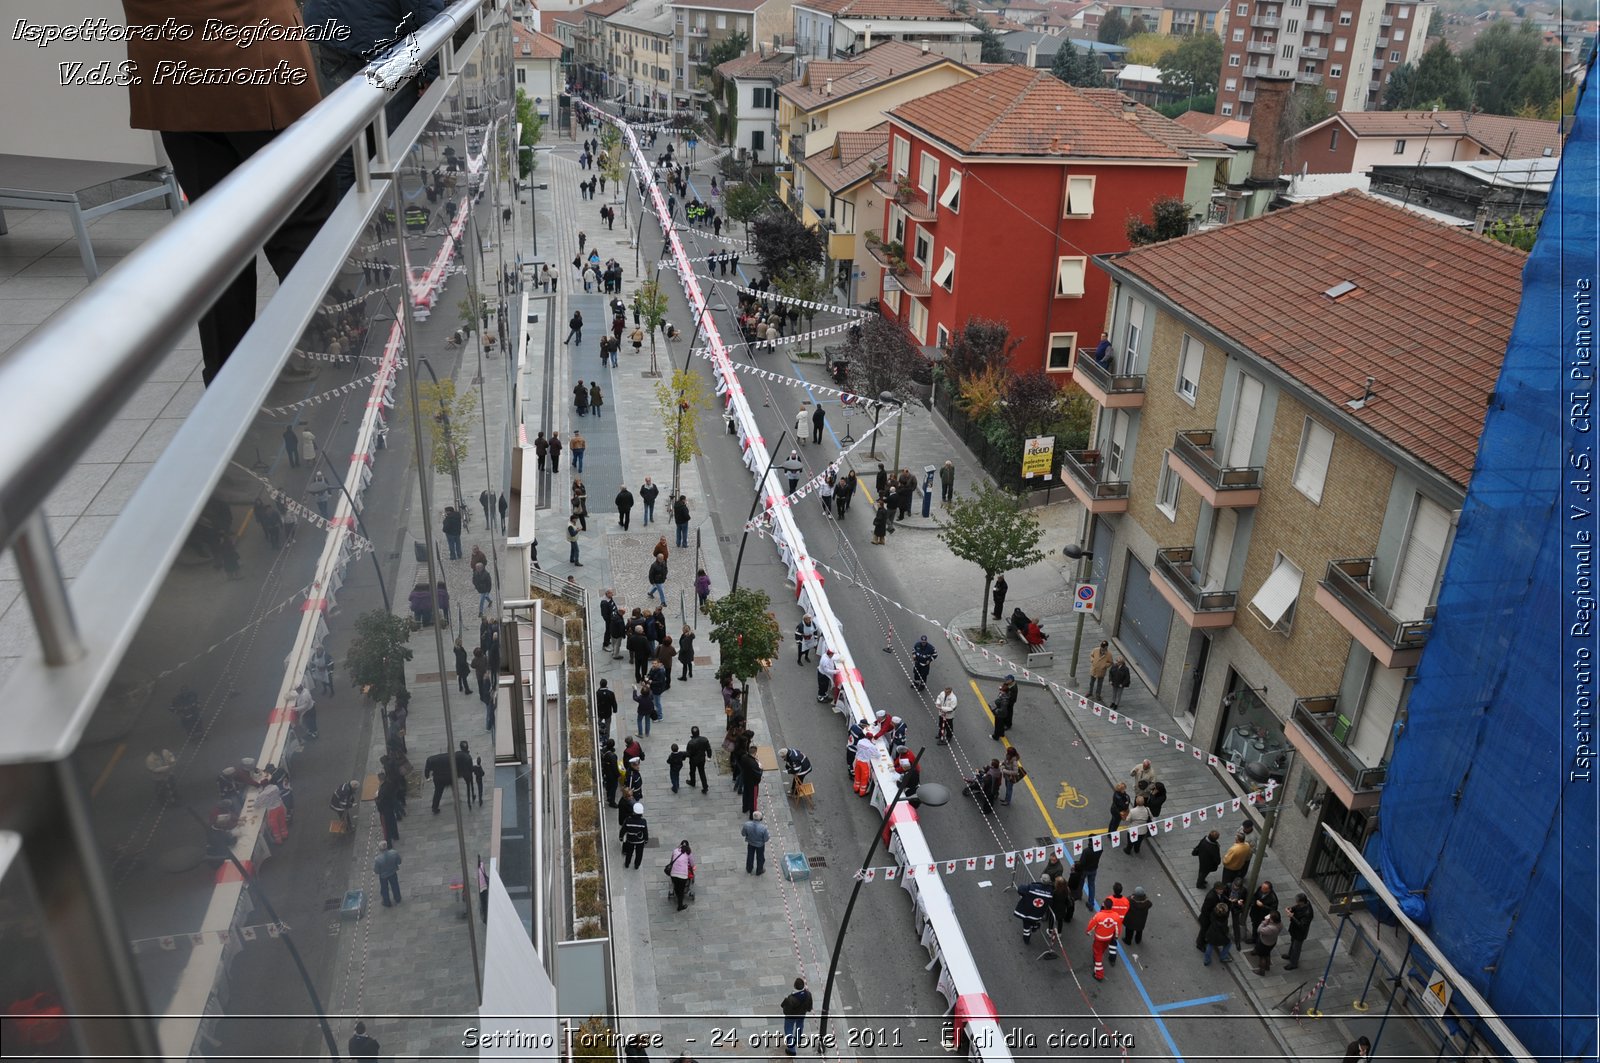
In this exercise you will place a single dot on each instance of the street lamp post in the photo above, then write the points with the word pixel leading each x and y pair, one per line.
pixel 1083 557
pixel 677 432
pixel 931 794
pixel 355 511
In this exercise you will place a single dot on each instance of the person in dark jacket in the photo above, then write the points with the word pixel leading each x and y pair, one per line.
pixel 605 706
pixel 610 771
pixel 639 651
pixel 1000 588
pixel 880 522
pixel 1208 851
pixel 658 578
pixel 463 669
pixel 844 492
pixel 686 652
pixel 1120 804
pixel 437 768
pixel 634 834
pixel 580 398
pixel 1263 904
pixel 698 750
pixel 1214 931
pixel 624 501
pixel 1005 707
pixel 617 631
pixel 1120 677
pixel 1300 914
pixel 750 776
pixel 1156 796
pixel 1134 919
pixel 680 518
pixel 1216 895
pixel 648 493
pixel 880 485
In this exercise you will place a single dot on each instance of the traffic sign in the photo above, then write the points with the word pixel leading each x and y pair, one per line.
pixel 1437 996
pixel 1083 599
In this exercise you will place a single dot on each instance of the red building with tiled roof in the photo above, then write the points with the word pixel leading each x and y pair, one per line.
pixel 1000 189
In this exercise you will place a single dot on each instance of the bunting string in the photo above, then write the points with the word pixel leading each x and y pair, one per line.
pixel 170 942
pixel 850 399
pixel 777 297
pixel 798 337
pixel 1205 815
pixel 343 389
pixel 308 516
pixel 359 300
pixel 814 484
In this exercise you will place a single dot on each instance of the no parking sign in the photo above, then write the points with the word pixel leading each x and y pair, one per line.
pixel 1083 600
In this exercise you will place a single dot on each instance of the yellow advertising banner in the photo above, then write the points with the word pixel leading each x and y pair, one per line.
pixel 1037 454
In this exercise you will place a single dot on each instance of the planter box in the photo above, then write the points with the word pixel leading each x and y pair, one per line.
pixel 354 905
pixel 796 868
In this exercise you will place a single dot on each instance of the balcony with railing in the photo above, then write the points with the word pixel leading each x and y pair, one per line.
pixel 1194 457
pixel 1319 731
pixel 1308 77
pixel 696 31
pixel 1386 21
pixel 1374 85
pixel 797 146
pixel 1266 22
pixel 1114 391
pixel 1346 593
pixel 911 199
pixel 1176 580
pixel 1322 3
pixel 1313 53
pixel 1082 472
pixel 1382 42
pixel 1247 95
pixel 1260 47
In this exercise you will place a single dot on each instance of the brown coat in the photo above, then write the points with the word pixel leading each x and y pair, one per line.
pixel 1099 662
pixel 175 107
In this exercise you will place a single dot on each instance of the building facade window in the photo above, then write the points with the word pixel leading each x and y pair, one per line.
pixel 1398 35
pixel 1339 43
pixel 902 156
pixel 942 337
pixel 1069 276
pixel 1274 603
pixel 1233 60
pixel 1400 147
pixel 951 196
pixel 1227 109
pixel 945 275
pixel 919 320
pixel 1231 84
pixel 1344 18
pixel 1238 36
pixel 1167 488
pixel 1333 139
pixel 1336 71
pixel 922 249
pixel 1311 466
pixel 928 177
pixel 1063 352
pixel 1191 354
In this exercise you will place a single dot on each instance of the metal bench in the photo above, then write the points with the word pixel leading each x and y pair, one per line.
pixel 35 182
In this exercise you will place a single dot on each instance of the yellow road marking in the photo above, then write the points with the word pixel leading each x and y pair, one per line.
pixel 1028 782
pixel 105 776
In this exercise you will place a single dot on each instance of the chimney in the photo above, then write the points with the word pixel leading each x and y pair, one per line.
pixel 827 87
pixel 924 46
pixel 1266 127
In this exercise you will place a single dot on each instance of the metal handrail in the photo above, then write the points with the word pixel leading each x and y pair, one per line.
pixel 1192 446
pixel 1308 715
pixel 1176 564
pixel 1104 379
pixel 91 356
pixel 1350 580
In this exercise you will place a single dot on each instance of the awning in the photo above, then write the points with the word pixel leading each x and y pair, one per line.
pixel 1276 595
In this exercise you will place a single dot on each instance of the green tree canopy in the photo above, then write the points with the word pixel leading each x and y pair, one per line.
pixel 784 243
pixel 1435 80
pixel 376 659
pixel 807 284
pixel 1113 28
pixel 1506 70
pixel 1193 66
pixel 727 48
pixel 746 632
pixel 989 528
pixel 1170 219
pixel 532 132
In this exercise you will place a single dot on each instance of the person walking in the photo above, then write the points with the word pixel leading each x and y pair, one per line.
pixel 756 836
pixel 451 526
pixel 634 834
pixel 1138 825
pixel 1011 772
pixel 867 750
pixel 1120 677
pixel 1236 859
pixel 680 866
pixel 1005 707
pixel 680 517
pixel 1300 915
pixel 923 655
pixel 463 668
pixel 945 705
pixel 802 424
pixel 698 751
pixel 792 467
pixel 648 493
pixel 624 502
pixel 1103 929
pixel 597 398
pixel 362 1045
pixel 702 590
pixel 1208 851
pixel 819 421
pixel 572 541
pixel 1099 664
pixel 947 482
pixel 541 449
pixel 1135 918
pixel 555 451
pixel 675 761
pixel 658 578
pixel 580 398
pixel 575 327
pixel 806 637
pixel 576 446
pixel 580 500
pixel 795 1007
pixel 1266 940
pixel 605 706
pixel 386 865
pixel 610 771
pixel 686 653
pixel 644 701
pixel 827 673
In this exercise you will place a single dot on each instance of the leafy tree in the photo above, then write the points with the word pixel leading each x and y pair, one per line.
pixel 979 344
pixel 1136 26
pixel 532 132
pixel 745 201
pixel 1519 232
pixel 1032 402
pixel 989 528
pixel 378 654
pixel 783 243
pixel 1513 71
pixel 1081 69
pixel 1306 107
pixel 679 403
pixel 747 633
pixel 1146 49
pixel 721 52
pixel 650 302
pixel 807 284
pixel 1206 104
pixel 1075 416
pixel 1193 66
pixel 1090 74
pixel 982 392
pixel 882 357
pixel 1171 219
pixel 1113 28
pixel 447 411
pixel 1064 64
pixel 991 47
pixel 1436 80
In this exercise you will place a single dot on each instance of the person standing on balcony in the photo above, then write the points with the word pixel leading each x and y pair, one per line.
pixel 210 130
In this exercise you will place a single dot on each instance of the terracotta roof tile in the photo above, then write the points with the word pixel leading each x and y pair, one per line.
pixel 1157 124
pixel 851 157
pixel 1017 111
pixel 572 16
pixel 1533 136
pixel 1428 320
pixel 1201 121
pixel 878 64
pixel 776 66
pixel 531 44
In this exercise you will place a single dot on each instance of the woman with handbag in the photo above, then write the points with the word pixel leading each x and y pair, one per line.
pixel 1012 772
pixel 680 868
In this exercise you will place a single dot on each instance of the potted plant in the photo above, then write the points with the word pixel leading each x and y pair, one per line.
pixel 904 190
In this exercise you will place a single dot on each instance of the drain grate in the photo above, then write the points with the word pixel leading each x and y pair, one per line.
pixel 817 861
pixel 724 538
pixel 332 904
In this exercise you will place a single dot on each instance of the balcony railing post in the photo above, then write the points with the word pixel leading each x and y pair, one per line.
pixel 46 589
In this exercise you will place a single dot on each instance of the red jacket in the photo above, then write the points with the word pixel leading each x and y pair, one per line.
pixel 1105 926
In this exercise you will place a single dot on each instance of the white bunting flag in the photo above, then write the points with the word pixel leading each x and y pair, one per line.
pixel 1116 840
pixel 1167 827
pixel 1144 729
pixel 950 867
pixel 1060 851
pixel 1178 745
pixel 1077 849
pixel 1211 761
pixel 872 874
pixel 1222 810
pixel 1098 842
pixel 1165 739
pixel 972 863
pixel 988 863
pixel 1188 821
pixel 1011 859
pixel 1236 804
pixel 1111 717
pixel 891 873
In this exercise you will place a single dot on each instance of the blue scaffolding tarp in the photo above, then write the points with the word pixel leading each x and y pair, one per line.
pixel 1489 821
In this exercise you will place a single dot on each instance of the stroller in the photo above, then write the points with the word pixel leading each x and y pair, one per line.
pixel 982 790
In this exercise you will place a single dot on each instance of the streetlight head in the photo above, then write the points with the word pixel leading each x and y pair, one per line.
pixel 1076 552
pixel 932 795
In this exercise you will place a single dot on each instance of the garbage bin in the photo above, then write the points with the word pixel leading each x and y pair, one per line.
pixel 420 549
